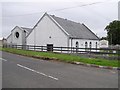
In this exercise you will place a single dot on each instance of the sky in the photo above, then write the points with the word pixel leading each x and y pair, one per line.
pixel 95 14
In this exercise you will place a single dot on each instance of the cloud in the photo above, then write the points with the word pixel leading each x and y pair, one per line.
pixel 26 14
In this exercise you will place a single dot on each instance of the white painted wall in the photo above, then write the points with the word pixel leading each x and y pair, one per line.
pixel 16 41
pixel 30 38
pixel 24 33
pixel 44 30
pixel 82 43
pixel 104 44
pixel 9 39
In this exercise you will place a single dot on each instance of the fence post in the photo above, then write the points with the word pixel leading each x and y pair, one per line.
pixel 77 49
pixel 90 51
pixel 28 47
pixel 71 49
pixel 2 46
pixel 34 47
pixel 21 46
pixel 118 52
pixel 61 49
pixel 68 49
pixel 12 46
pixel 41 48
pixel 16 46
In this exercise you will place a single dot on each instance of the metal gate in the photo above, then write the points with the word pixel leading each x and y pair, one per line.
pixel 49 47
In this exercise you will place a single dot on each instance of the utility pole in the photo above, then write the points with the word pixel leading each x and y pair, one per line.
pixel 119 10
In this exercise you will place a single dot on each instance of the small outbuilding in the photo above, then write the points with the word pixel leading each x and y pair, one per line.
pixel 104 44
pixel 2 41
pixel 18 36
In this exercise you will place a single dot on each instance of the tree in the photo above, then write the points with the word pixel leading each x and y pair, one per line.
pixel 113 32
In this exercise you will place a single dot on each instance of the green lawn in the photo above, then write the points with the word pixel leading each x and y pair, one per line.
pixel 63 57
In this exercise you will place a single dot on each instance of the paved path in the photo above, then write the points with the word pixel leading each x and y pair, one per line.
pixel 24 72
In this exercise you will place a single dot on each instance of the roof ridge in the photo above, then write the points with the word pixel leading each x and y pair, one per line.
pixel 26 27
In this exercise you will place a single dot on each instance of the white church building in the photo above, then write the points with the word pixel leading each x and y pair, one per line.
pixel 55 31
pixel 59 32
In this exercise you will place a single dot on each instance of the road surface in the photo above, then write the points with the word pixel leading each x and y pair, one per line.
pixel 25 72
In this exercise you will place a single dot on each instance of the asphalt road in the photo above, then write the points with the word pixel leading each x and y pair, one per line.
pixel 24 72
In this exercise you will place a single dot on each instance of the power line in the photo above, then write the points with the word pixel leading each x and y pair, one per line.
pixel 77 6
pixel 24 14
pixel 99 14
pixel 56 9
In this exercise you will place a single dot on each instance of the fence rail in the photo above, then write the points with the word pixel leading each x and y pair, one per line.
pixel 107 53
pixel 98 51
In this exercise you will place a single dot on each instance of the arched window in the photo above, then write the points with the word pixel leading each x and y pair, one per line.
pixel 96 45
pixel 90 44
pixel 86 45
pixel 77 44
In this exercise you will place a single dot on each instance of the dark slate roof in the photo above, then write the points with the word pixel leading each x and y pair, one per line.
pixel 75 30
pixel 29 30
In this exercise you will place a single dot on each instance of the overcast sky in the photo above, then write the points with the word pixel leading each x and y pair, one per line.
pixel 95 14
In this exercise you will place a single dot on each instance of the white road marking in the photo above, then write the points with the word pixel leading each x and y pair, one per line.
pixel 37 72
pixel 3 59
pixel 53 77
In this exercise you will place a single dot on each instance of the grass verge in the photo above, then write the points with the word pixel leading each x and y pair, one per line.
pixel 63 57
